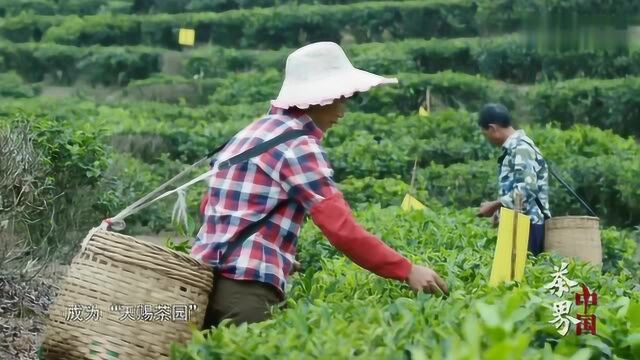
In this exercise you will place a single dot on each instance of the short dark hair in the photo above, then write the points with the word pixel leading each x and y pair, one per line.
pixel 494 114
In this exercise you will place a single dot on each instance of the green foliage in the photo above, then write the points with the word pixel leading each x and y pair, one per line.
pixel 66 64
pixel 242 86
pixel 12 85
pixel 459 168
pixel 41 7
pixel 457 165
pixel 72 160
pixel 93 159
pixel 28 27
pixel 603 181
pixel 89 7
pixel 511 15
pixel 262 27
pixel 341 311
pixel 384 192
pixel 510 58
pixel 608 104
pixel 182 246
pixel 66 7
pixel 129 179
pixel 172 89
pixel 24 186
pixel 449 89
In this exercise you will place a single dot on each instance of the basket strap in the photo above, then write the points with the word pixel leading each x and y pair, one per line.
pixel 261 148
pixel 566 186
pixel 258 149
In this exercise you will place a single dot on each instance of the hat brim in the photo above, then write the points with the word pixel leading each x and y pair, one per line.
pixel 325 91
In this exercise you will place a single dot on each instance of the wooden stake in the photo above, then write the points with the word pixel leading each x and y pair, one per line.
pixel 517 201
pixel 413 176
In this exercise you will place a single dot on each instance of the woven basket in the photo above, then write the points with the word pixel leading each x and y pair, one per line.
pixel 575 236
pixel 166 294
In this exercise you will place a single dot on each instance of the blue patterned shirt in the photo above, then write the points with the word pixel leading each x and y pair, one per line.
pixel 523 169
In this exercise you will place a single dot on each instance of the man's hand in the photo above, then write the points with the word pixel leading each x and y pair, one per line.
pixel 487 209
pixel 424 279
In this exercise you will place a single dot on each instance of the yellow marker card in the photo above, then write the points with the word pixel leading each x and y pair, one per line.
pixel 187 37
pixel 423 112
pixel 411 203
pixel 509 264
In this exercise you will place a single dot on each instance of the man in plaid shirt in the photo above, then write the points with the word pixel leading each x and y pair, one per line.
pixel 284 183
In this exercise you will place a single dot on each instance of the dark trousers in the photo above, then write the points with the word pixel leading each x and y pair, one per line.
pixel 240 301
pixel 536 239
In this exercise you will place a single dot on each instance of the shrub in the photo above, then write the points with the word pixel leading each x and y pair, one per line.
pixel 264 28
pixel 23 186
pixel 344 312
pixel 608 104
pixel 11 85
pixel 384 192
pixel 510 58
pixel 69 165
pixel 65 64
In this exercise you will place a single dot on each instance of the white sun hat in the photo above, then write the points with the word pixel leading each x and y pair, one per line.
pixel 319 73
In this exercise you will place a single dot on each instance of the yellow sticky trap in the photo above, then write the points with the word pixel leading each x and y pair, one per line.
pixel 423 112
pixel 187 37
pixel 507 263
pixel 411 203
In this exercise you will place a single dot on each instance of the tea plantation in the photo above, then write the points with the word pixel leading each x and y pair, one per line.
pixel 99 105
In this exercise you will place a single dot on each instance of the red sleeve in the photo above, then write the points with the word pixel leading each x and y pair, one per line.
pixel 333 216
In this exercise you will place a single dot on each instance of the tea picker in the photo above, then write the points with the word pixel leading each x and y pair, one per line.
pixel 211 285
pixel 522 169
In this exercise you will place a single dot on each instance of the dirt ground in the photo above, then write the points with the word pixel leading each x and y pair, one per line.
pixel 25 298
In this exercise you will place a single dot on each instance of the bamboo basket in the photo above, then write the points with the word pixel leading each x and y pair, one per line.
pixel 575 236
pixel 149 297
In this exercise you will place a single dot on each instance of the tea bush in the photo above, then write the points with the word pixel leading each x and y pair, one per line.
pixel 71 163
pixel 511 15
pixel 262 27
pixel 12 85
pixel 458 166
pixel 66 64
pixel 89 7
pixel 341 311
pixel 96 158
pixel 384 192
pixel 609 104
pixel 509 57
pixel 10 8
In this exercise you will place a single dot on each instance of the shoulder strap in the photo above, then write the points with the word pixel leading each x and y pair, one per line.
pixel 261 148
pixel 566 186
pixel 246 155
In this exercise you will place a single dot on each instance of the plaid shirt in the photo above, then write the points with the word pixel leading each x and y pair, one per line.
pixel 522 168
pixel 246 192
